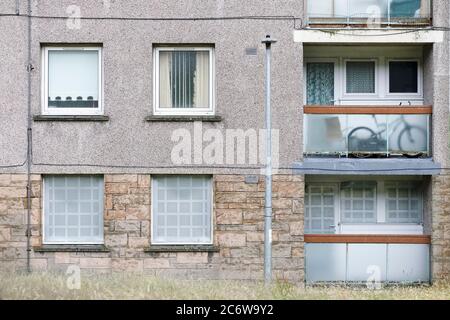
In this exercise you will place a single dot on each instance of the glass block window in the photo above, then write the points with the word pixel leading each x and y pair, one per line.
pixel 360 77
pixel 358 202
pixel 182 212
pixel 73 209
pixel 319 209
pixel 403 202
pixel 184 80
pixel 72 80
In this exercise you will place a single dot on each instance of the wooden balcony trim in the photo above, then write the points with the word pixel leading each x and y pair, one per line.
pixel 360 109
pixel 356 238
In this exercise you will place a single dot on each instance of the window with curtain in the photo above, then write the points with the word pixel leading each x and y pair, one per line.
pixel 320 83
pixel 182 209
pixel 360 77
pixel 73 209
pixel 184 80
pixel 358 202
pixel 319 209
pixel 73 79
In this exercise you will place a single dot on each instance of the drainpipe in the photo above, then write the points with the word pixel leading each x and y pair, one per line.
pixel 268 190
pixel 29 140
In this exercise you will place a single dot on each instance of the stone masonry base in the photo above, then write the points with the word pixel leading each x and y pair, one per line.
pixel 238 231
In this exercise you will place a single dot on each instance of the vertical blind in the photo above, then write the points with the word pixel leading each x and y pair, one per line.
pixel 184 79
pixel 360 77
pixel 73 209
pixel 182 209
pixel 73 78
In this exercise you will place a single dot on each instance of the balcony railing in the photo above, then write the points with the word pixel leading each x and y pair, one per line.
pixel 363 131
pixel 377 13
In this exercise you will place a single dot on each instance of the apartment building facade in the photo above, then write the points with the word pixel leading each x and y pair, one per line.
pixel 132 135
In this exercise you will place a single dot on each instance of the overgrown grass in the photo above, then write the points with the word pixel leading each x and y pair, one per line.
pixel 129 286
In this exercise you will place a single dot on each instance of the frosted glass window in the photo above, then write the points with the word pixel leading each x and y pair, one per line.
pixel 360 76
pixel 403 202
pixel 182 210
pixel 73 77
pixel 358 202
pixel 73 209
pixel 319 209
pixel 184 79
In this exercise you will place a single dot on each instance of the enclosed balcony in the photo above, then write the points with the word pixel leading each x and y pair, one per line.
pixel 368 13
pixel 364 132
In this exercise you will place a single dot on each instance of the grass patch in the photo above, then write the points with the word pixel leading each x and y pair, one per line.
pixel 132 286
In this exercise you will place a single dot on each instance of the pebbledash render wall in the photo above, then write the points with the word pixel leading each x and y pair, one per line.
pixel 238 231
pixel 120 148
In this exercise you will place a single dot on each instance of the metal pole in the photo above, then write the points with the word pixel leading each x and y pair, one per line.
pixel 29 140
pixel 268 190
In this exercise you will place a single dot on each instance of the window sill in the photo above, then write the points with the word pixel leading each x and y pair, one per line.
pixel 79 118
pixel 71 248
pixel 176 118
pixel 181 248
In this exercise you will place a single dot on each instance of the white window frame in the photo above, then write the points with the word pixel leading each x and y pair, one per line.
pixel 44 84
pixel 183 111
pixel 337 83
pixel 337 208
pixel 346 94
pixel 383 54
pixel 404 95
pixel 381 225
pixel 44 235
pixel 153 201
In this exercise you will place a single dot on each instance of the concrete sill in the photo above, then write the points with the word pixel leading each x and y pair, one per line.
pixel 183 118
pixel 175 248
pixel 89 118
pixel 71 248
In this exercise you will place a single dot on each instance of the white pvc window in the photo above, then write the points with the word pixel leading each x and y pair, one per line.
pixel 358 202
pixel 184 80
pixel 319 209
pixel 403 202
pixel 182 210
pixel 72 81
pixel 73 210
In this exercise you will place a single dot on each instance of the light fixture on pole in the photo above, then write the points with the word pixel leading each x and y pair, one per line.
pixel 268 41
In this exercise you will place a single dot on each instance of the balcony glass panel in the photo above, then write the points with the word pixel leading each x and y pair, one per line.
pixel 358 11
pixel 408 133
pixel 341 134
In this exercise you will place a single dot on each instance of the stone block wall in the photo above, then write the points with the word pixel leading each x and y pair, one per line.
pixel 238 231
pixel 440 226
pixel 13 221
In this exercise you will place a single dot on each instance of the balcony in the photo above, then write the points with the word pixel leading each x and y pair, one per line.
pixel 367 132
pixel 368 13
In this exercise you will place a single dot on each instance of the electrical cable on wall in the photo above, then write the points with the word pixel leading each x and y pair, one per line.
pixel 273 18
